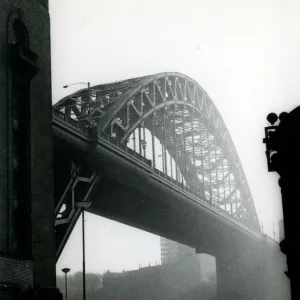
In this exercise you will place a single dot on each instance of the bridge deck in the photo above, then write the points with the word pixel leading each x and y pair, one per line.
pixel 69 127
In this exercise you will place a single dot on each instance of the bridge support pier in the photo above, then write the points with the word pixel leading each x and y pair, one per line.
pixel 251 271
pixel 237 277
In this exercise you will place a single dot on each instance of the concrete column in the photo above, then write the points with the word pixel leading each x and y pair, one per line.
pixel 251 271
pixel 236 278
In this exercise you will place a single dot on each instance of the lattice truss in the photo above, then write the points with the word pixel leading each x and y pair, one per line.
pixel 171 120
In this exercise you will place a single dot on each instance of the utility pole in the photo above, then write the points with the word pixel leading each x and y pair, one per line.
pixel 83 205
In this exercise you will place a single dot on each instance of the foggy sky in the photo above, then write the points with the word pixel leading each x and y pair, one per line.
pixel 244 54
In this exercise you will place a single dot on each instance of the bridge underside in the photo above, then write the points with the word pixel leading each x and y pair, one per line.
pixel 135 197
pixel 169 119
pixel 158 214
pixel 246 264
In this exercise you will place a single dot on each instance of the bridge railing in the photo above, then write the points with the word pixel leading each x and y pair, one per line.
pixel 114 141
pixel 64 117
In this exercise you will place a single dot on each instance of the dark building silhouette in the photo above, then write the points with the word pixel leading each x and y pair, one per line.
pixel 181 280
pixel 27 236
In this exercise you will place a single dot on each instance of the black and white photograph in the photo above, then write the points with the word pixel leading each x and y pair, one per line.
pixel 149 150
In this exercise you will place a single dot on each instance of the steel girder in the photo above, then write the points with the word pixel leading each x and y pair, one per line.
pixel 170 114
pixel 78 189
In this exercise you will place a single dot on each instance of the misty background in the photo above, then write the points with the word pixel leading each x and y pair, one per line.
pixel 244 54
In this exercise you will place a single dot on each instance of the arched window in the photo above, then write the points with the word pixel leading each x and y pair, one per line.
pixel 20 33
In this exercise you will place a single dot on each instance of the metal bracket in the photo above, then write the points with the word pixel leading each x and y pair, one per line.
pixel 74 180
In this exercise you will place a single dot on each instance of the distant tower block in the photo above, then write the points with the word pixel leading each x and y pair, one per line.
pixel 172 252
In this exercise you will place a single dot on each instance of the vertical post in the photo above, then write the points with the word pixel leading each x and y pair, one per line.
pixel 217 175
pixel 175 143
pixel 235 201
pixel 66 286
pixel 140 141
pixel 153 141
pixel 89 104
pixel 165 142
pixel 162 158
pixel 171 166
pixel 144 140
pixel 209 166
pixel 202 162
pixel 68 111
pixel 134 146
pixel 83 257
pixel 224 185
pixel 194 161
pixel 184 146
pixel 229 190
pixel 66 270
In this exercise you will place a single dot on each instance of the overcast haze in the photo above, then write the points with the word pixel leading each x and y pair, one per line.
pixel 244 54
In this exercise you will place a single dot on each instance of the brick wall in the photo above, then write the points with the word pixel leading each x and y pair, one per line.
pixel 15 271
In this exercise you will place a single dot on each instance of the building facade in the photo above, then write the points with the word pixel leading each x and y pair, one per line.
pixel 27 235
pixel 172 252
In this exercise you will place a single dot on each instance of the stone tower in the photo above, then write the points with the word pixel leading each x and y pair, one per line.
pixel 27 236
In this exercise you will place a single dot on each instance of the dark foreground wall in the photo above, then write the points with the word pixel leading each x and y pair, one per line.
pixel 27 246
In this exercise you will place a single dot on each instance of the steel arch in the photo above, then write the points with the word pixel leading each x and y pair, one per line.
pixel 180 114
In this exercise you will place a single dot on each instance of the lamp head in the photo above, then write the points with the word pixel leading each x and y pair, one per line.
pixel 272 118
pixel 83 204
pixel 66 270
pixel 283 116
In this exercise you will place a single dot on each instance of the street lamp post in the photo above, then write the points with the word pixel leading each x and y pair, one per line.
pixel 89 98
pixel 66 271
pixel 83 205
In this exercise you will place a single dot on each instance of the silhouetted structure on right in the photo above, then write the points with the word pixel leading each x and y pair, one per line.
pixel 282 149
